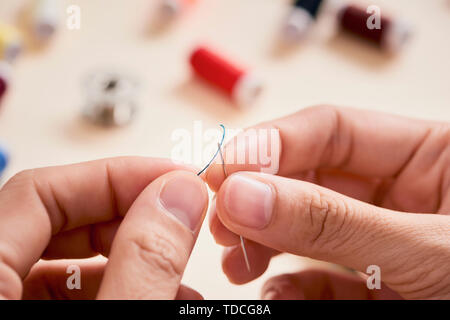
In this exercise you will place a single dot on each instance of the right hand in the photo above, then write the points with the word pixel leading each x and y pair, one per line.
pixel 356 188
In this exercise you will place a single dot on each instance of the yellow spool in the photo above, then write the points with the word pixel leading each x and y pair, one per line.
pixel 10 42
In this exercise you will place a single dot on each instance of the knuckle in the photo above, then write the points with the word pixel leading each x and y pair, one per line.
pixel 328 113
pixel 325 109
pixel 434 151
pixel 33 186
pixel 443 132
pixel 327 218
pixel 24 177
pixel 158 252
pixel 337 146
pixel 23 185
pixel 10 282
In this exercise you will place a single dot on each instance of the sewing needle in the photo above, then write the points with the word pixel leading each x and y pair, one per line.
pixel 244 251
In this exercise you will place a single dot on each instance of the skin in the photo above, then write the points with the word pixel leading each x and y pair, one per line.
pixel 109 207
pixel 355 188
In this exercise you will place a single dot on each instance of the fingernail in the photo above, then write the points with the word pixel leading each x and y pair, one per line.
pixel 183 197
pixel 248 201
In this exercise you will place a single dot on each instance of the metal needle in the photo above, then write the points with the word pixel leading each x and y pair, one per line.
pixel 244 251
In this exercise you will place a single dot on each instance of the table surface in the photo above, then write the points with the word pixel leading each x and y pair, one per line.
pixel 40 118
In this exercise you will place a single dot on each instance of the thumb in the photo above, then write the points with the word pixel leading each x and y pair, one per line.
pixel 153 243
pixel 309 220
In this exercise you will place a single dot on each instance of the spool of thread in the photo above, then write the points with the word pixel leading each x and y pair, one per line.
pixel 10 43
pixel 391 36
pixel 5 75
pixel 239 84
pixel 301 18
pixel 110 99
pixel 4 159
pixel 171 8
pixel 45 18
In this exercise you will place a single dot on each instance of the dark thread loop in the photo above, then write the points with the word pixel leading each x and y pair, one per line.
pixel 217 152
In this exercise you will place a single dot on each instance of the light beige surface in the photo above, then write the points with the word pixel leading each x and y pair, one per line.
pixel 40 119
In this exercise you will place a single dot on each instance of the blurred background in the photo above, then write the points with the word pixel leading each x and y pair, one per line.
pixel 40 116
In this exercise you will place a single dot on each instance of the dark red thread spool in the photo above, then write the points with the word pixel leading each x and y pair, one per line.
pixel 391 36
pixel 239 84
pixel 4 78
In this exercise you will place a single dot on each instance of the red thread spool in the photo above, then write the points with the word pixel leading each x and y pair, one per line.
pixel 242 86
pixel 391 36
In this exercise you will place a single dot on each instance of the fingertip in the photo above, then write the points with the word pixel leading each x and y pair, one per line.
pixel 221 234
pixel 231 267
pixel 156 237
pixel 214 176
pixel 185 196
pixel 187 293
pixel 245 203
pixel 189 174
pixel 321 284
pixel 235 268
pixel 220 208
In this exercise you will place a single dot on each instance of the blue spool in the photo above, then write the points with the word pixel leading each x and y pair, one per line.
pixel 3 159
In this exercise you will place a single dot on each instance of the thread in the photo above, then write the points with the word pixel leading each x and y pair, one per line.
pixel 244 250
pixel 10 42
pixel 217 152
pixel 3 87
pixel 242 86
pixel 4 159
pixel 300 19
pixel 311 6
pixel 5 74
pixel 110 98
pixel 45 18
pixel 171 8
pixel 391 35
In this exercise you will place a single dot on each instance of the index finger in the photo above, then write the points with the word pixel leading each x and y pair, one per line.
pixel 39 203
pixel 360 142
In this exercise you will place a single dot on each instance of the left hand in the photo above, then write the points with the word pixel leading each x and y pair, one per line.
pixel 144 214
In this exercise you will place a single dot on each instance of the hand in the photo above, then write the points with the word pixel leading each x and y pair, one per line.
pixel 139 212
pixel 356 188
